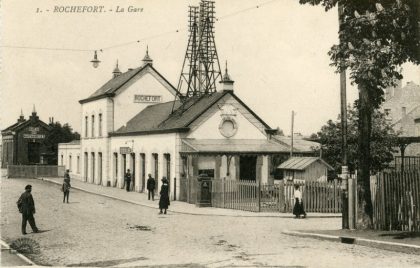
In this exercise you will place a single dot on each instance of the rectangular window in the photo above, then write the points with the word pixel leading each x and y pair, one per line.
pixel 86 126
pixel 86 166
pixel 62 159
pixel 93 167
pixel 100 168
pixel 78 164
pixel 156 170
pixel 70 162
pixel 93 126
pixel 115 167
pixel 100 126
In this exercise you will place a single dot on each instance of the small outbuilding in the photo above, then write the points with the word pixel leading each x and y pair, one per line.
pixel 305 169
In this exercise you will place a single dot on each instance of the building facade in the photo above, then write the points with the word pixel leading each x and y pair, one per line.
pixel 23 142
pixel 135 122
pixel 402 109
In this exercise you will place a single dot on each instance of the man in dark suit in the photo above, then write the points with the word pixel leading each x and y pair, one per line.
pixel 127 178
pixel 151 184
pixel 26 206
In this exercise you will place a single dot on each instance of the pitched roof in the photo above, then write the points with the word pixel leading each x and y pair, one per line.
pixel 158 117
pixel 19 125
pixel 299 145
pixel 301 163
pixel 232 145
pixel 110 87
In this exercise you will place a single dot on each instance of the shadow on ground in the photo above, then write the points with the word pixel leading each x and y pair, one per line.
pixel 106 263
pixel 403 235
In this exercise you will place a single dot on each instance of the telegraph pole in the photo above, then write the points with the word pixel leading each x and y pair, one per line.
pixel 344 164
pixel 291 144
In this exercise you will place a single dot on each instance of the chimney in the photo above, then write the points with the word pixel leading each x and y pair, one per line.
pixel 227 82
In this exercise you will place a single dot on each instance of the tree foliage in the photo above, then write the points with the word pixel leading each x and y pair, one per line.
pixel 376 38
pixel 383 141
pixel 59 134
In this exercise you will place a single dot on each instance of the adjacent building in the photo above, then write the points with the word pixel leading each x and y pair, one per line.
pixel 23 142
pixel 134 121
pixel 402 109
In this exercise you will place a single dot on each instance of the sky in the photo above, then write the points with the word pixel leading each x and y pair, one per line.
pixel 276 54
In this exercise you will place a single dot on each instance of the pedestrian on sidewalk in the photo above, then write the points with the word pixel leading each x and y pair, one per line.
pixel 66 186
pixel 151 185
pixel 298 208
pixel 127 178
pixel 26 206
pixel 164 196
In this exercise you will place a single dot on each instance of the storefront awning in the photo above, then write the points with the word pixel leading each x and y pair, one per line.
pixel 233 146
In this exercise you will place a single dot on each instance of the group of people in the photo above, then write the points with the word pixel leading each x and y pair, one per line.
pixel 26 204
pixel 151 186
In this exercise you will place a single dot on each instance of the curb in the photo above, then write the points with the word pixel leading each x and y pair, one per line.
pixel 182 212
pixel 21 256
pixel 391 246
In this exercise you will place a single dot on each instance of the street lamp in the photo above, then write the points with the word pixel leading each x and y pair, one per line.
pixel 95 61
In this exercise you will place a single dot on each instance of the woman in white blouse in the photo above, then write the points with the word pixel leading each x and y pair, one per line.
pixel 298 208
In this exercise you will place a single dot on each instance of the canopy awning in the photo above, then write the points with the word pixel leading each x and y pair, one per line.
pixel 232 146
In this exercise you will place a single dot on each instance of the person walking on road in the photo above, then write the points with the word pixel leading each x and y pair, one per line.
pixel 26 206
pixel 164 196
pixel 127 178
pixel 151 185
pixel 66 186
pixel 298 208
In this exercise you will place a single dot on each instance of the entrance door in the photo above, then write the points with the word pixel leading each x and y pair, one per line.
pixel 33 152
pixel 248 167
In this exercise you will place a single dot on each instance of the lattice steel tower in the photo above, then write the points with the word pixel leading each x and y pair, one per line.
pixel 201 67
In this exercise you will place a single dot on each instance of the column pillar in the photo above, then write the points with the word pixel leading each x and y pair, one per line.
pixel 259 168
pixel 218 164
pixel 237 167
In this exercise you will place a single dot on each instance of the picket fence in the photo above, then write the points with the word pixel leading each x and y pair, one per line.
pixel 323 197
pixel 396 200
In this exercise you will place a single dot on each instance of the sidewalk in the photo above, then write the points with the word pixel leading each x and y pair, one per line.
pixel 389 240
pixel 176 206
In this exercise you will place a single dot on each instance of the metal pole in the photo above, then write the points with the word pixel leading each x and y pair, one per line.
pixel 291 144
pixel 344 167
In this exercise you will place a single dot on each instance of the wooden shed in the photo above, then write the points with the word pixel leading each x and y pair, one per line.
pixel 305 169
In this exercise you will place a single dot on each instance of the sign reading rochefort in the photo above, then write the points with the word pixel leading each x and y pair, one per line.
pixel 147 98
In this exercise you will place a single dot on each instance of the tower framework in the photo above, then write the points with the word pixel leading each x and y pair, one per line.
pixel 201 67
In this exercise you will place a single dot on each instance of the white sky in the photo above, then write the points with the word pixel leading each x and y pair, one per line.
pixel 277 55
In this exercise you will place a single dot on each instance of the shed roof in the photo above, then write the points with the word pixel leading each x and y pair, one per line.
pixel 299 145
pixel 301 163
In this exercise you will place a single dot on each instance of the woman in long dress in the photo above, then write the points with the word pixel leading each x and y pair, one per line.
pixel 164 196
pixel 298 208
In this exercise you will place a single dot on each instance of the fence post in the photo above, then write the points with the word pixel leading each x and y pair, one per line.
pixel 259 195
pixel 351 203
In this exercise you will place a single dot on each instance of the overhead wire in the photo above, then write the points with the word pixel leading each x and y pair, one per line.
pixel 139 40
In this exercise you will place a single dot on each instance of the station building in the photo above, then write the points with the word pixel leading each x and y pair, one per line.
pixel 135 122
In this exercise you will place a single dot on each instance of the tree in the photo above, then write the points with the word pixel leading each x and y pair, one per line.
pixel 59 134
pixel 383 142
pixel 376 38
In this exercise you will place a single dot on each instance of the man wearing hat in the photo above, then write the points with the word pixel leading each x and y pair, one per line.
pixel 26 206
